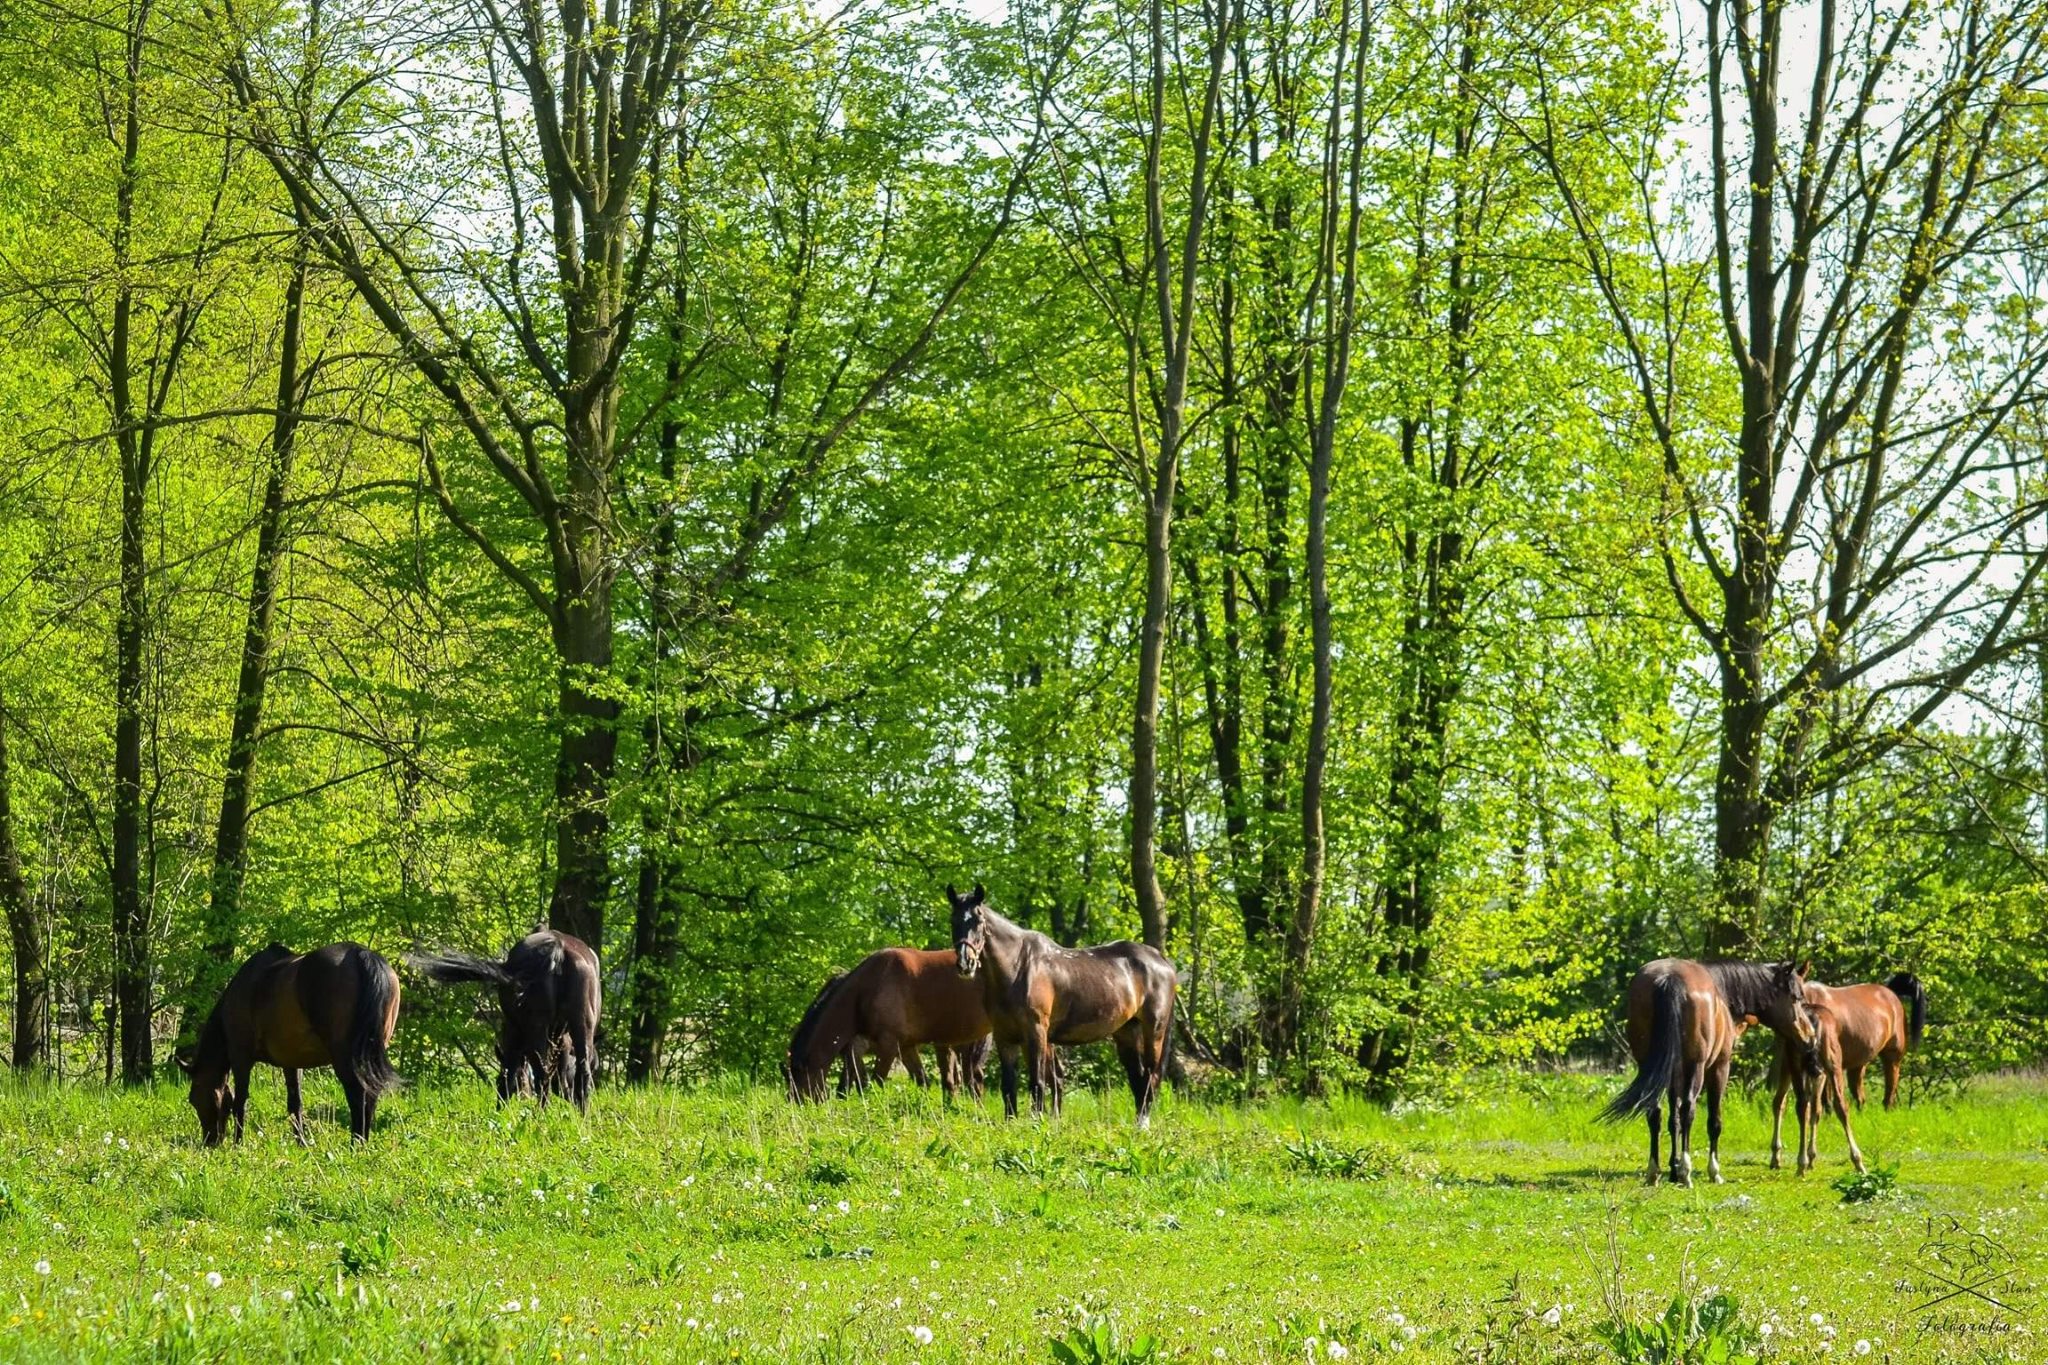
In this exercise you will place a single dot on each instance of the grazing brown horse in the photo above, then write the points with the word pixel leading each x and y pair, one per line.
pixel 549 1000
pixel 335 1006
pixel 1041 996
pixel 893 1003
pixel 1871 1022
pixel 1683 1020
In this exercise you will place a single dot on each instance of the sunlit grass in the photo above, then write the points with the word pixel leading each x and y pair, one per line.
pixel 726 1224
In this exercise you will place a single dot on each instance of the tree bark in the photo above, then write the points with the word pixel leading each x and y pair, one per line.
pixel 31 972
pixel 222 928
pixel 133 447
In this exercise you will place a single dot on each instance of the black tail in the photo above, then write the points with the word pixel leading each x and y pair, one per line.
pixel 1655 1071
pixel 454 969
pixel 374 1000
pixel 1907 987
pixel 800 1041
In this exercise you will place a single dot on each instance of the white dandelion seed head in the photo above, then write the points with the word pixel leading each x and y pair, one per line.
pixel 213 1279
pixel 922 1334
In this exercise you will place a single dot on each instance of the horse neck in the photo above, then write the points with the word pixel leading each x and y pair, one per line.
pixel 831 1028
pixel 210 1058
pixel 1003 944
pixel 1750 988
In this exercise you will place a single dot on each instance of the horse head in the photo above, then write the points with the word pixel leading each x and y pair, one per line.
pixel 970 927
pixel 213 1099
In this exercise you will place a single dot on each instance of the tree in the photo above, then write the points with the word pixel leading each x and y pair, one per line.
pixel 1837 539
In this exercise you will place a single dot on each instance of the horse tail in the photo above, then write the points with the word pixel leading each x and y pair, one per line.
pixel 1659 1064
pixel 376 1000
pixel 1907 987
pixel 452 968
pixel 807 1027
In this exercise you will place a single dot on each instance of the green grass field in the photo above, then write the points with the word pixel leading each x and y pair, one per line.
pixel 724 1224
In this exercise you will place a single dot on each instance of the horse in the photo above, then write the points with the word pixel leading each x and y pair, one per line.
pixel 964 1068
pixel 1872 1022
pixel 335 1006
pixel 1040 995
pixel 1683 1020
pixel 894 1002
pixel 1820 1084
pixel 549 1002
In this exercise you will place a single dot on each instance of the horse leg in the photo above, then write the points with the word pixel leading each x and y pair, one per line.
pixel 1781 1081
pixel 358 1104
pixel 1688 1103
pixel 1891 1080
pixel 913 1065
pixel 1656 1123
pixel 949 1070
pixel 1009 1053
pixel 1717 1087
pixel 1856 1085
pixel 1675 1165
pixel 293 1105
pixel 1130 1052
pixel 1035 1055
pixel 1835 1088
pixel 241 1099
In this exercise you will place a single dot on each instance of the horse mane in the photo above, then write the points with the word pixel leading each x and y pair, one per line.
pixel 211 1054
pixel 1748 987
pixel 807 1027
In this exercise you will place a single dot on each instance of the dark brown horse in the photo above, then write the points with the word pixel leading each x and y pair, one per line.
pixel 1871 1022
pixel 894 1002
pixel 335 1006
pixel 1683 1020
pixel 549 1001
pixel 1041 996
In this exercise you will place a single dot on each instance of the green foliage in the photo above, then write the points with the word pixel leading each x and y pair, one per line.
pixel 1709 1331
pixel 371 1256
pixel 1098 1341
pixel 1862 1187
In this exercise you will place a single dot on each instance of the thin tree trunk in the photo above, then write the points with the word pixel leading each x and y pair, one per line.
pixel 231 831
pixel 131 984
pixel 31 974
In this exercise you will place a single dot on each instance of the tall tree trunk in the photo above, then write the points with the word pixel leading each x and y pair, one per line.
pixel 657 930
pixel 231 831
pixel 133 445
pixel 31 974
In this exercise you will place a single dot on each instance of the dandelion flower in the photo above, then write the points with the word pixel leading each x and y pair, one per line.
pixel 1817 1319
pixel 1862 1347
pixel 922 1334
pixel 1337 1350
pixel 213 1279
pixel 1395 1319
pixel 1218 1353
pixel 512 1305
pixel 1765 1329
pixel 287 1295
pixel 42 1267
pixel 1554 1316
pixel 843 1206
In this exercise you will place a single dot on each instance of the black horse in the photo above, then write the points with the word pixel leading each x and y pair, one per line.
pixel 335 1006
pixel 549 1000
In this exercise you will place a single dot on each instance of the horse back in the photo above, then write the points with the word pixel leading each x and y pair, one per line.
pixel 1707 1030
pixel 919 996
pixel 1870 1018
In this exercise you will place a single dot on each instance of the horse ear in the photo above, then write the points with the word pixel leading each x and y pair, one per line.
pixel 952 893
pixel 980 893
pixel 1805 969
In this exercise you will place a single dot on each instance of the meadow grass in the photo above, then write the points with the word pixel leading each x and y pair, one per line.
pixel 725 1224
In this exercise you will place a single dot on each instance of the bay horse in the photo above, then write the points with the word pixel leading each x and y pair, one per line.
pixel 1684 1018
pixel 1040 995
pixel 892 1003
pixel 335 1006
pixel 1874 1021
pixel 1820 1084
pixel 549 1003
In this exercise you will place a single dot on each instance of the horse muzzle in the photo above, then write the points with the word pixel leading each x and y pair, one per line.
pixel 969 961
